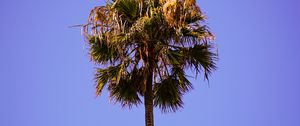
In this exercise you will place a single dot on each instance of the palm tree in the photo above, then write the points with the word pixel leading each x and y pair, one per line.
pixel 143 47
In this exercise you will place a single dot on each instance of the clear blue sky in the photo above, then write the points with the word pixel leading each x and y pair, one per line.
pixel 46 78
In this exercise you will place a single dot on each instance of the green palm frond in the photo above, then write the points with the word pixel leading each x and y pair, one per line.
pixel 201 57
pixel 199 32
pixel 101 52
pixel 127 9
pixel 124 92
pixel 128 87
pixel 167 95
pixel 175 57
pixel 194 19
pixel 137 77
pixel 103 76
pixel 184 84
pixel 123 86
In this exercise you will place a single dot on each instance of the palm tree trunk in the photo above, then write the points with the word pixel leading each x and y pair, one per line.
pixel 148 98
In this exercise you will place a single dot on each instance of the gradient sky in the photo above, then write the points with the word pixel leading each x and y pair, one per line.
pixel 46 78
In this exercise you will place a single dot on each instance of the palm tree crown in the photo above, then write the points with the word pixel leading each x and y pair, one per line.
pixel 144 48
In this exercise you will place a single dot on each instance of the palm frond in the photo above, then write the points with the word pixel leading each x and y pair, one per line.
pixel 128 87
pixel 199 32
pixel 137 77
pixel 123 86
pixel 175 57
pixel 167 95
pixel 184 84
pixel 101 52
pixel 201 57
pixel 103 76
pixel 127 9
pixel 124 92
pixel 194 19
